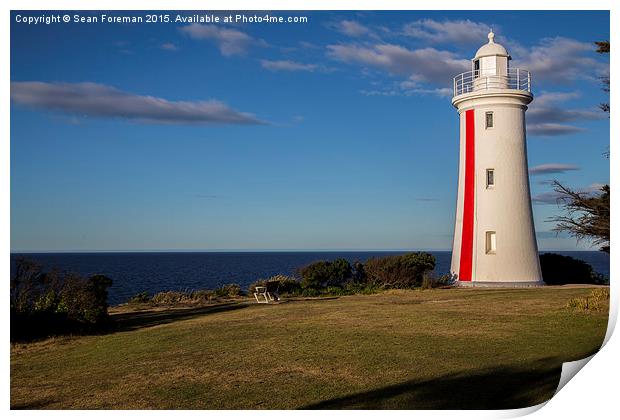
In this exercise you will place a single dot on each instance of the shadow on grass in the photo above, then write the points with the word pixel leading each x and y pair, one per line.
pixel 131 321
pixel 33 405
pixel 313 299
pixel 502 387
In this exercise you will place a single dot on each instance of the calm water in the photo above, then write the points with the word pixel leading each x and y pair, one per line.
pixel 153 272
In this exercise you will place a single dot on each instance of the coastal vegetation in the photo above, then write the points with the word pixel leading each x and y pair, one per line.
pixel 45 303
pixel 324 278
pixel 194 297
pixel 387 333
pixel 440 348
pixel 562 269
pixel 598 300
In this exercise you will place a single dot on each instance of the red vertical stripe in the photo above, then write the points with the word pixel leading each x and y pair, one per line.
pixel 467 238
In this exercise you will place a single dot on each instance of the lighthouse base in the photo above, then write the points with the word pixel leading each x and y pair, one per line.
pixel 504 284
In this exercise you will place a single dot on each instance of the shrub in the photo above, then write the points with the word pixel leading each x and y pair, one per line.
pixel 561 269
pixel 361 289
pixel 337 291
pixel 169 298
pixel 187 298
pixel 85 301
pixel 284 284
pixel 310 292
pixel 203 296
pixel 399 271
pixel 228 290
pixel 359 274
pixel 50 303
pixel 596 301
pixel 257 283
pixel 432 281
pixel 142 297
pixel 325 273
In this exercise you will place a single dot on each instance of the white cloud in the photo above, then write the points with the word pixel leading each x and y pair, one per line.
pixel 405 88
pixel 421 65
pixel 549 129
pixel 553 197
pixel 169 46
pixel 548 117
pixel 97 100
pixel 548 98
pixel 560 60
pixel 287 65
pixel 352 28
pixel 448 31
pixel 553 168
pixel 308 45
pixel 229 41
pixel 550 197
pixel 556 59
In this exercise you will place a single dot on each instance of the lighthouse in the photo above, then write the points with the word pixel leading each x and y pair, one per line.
pixel 494 238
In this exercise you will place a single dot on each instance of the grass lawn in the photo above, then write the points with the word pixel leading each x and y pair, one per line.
pixel 456 348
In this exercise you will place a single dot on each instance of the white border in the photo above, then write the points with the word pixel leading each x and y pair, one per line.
pixel 593 394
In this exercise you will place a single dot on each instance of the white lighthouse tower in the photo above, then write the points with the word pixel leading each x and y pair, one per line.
pixel 494 238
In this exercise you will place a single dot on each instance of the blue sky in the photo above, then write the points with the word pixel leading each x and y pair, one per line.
pixel 333 134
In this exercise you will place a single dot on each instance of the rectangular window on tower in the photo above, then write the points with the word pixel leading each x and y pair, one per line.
pixel 491 244
pixel 490 178
pixel 489 120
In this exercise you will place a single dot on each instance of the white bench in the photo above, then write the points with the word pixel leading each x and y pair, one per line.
pixel 261 291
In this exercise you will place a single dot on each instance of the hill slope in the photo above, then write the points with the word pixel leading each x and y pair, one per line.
pixel 402 349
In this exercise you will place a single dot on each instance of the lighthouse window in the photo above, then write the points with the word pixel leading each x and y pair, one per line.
pixel 491 244
pixel 489 119
pixel 476 68
pixel 490 178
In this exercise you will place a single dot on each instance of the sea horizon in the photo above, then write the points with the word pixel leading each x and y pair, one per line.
pixel 154 251
pixel 154 271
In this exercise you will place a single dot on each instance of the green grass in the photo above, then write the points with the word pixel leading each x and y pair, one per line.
pixel 403 349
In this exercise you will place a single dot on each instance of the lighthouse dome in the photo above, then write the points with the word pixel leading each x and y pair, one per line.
pixel 491 48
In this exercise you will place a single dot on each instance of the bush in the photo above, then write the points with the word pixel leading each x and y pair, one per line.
pixel 187 298
pixel 228 290
pixel 170 297
pixel 285 285
pixel 84 300
pixel 359 274
pixel 361 289
pixel 310 293
pixel 142 297
pixel 561 269
pixel 203 296
pixel 399 271
pixel 257 283
pixel 596 301
pixel 322 274
pixel 51 303
pixel 431 281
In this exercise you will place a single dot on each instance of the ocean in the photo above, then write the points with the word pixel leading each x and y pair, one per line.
pixel 135 272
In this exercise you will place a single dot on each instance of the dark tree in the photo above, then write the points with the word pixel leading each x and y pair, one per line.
pixel 325 273
pixel 586 215
pixel 603 48
pixel 562 269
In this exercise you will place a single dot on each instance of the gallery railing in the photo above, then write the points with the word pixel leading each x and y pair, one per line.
pixel 474 80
